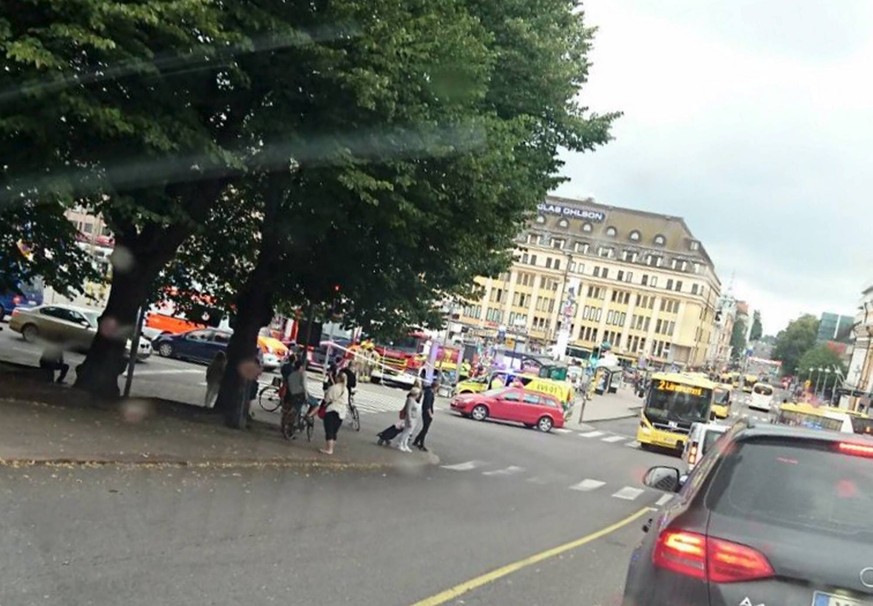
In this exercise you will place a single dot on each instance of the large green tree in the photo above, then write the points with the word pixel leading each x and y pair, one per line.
pixel 794 341
pixel 820 356
pixel 409 208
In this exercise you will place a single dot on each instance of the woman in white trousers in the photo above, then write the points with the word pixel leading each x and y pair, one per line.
pixel 412 410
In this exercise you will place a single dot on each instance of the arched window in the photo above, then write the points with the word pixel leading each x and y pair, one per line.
pixel 563 223
pixel 611 231
pixel 541 219
pixel 660 240
pixel 587 228
pixel 635 236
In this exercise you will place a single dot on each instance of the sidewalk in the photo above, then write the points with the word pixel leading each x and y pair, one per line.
pixel 44 423
pixel 620 405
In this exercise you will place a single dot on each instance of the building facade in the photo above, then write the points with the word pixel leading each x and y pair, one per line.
pixel 836 328
pixel 585 274
pixel 859 380
pixel 725 317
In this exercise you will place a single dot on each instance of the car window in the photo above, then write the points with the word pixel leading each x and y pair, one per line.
pixel 53 312
pixel 808 486
pixel 710 438
pixel 198 335
pixel 511 396
pixel 530 398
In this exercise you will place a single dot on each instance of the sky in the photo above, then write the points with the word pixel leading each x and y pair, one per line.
pixel 754 122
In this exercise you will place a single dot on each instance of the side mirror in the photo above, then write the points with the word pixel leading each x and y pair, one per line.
pixel 666 479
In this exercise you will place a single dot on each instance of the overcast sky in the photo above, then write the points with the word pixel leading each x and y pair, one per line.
pixel 753 120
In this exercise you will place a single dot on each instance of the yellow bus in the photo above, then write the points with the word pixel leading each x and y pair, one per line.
pixel 673 403
pixel 749 382
pixel 824 417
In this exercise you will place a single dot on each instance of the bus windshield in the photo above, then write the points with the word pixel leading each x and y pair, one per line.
pixel 678 402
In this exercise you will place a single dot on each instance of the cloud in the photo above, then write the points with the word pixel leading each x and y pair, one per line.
pixel 752 121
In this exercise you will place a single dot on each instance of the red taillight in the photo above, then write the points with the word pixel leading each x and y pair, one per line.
pixel 858 450
pixel 707 558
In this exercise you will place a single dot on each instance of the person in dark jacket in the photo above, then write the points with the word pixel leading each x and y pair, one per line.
pixel 426 414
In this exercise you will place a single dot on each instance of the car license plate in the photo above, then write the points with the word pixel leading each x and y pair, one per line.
pixel 829 599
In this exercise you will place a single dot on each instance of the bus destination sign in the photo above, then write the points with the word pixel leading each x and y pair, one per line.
pixel 680 388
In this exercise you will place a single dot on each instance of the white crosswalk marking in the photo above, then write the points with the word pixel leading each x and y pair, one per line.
pixel 592 434
pixel 587 485
pixel 562 430
pixel 663 500
pixel 628 493
pixel 613 439
pixel 633 444
pixel 508 471
pixel 469 465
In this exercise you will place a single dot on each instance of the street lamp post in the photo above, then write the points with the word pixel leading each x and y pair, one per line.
pixel 824 383
pixel 818 370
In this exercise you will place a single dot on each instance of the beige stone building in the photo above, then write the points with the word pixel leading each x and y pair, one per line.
pixel 586 273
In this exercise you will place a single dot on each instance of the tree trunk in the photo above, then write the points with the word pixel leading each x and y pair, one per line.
pixel 254 310
pixel 105 360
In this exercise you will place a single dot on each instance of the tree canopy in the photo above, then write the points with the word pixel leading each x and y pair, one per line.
pixel 794 341
pixel 820 356
pixel 287 148
pixel 738 339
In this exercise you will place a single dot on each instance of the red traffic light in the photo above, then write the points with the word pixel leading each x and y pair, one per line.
pixel 336 288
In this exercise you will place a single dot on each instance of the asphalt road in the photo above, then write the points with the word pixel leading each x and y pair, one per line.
pixel 501 494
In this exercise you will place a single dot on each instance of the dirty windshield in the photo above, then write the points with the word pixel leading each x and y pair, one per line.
pixel 265 264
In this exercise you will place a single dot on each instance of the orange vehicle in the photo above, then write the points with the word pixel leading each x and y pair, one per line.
pixel 167 318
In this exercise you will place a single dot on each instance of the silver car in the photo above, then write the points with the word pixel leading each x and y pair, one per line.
pixel 72 327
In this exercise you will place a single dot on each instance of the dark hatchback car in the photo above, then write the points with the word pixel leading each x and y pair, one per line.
pixel 196 345
pixel 772 515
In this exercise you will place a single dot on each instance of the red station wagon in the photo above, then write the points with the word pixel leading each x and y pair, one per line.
pixel 532 408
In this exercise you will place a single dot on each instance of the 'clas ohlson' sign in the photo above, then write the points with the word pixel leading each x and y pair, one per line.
pixel 571 211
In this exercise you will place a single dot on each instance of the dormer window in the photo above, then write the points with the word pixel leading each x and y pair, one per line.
pixel 563 223
pixel 635 236
pixel 587 227
pixel 541 219
pixel 660 240
pixel 611 232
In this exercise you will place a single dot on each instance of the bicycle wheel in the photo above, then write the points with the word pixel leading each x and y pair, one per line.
pixel 268 398
pixel 356 418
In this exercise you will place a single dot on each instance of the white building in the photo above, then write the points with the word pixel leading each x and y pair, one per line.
pixel 860 376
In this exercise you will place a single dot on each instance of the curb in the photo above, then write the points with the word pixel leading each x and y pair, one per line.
pixel 162 462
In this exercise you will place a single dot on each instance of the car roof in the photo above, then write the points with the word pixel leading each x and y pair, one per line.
pixel 86 310
pixel 754 430
pixel 684 378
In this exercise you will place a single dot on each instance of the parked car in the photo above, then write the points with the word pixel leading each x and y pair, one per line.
pixel 199 345
pixel 72 327
pixel 771 515
pixel 532 408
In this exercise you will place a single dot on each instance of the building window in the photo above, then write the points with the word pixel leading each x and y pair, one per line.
pixel 557 264
pixel 533 259
pixel 620 277
pixel 696 267
pixel 635 236
pixel 630 256
pixel 678 285
pixel 654 281
pixel 604 273
pixel 694 289
pixel 541 219
pixel 586 227
pixel 694 245
pixel 669 282
pixel 660 240
pixel 548 263
pixel 609 317
pixel 596 271
pixel 558 242
pixel 645 280
pixel 611 232
pixel 629 276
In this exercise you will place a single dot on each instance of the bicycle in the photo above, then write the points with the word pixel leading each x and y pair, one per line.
pixel 353 411
pixel 268 396
pixel 301 420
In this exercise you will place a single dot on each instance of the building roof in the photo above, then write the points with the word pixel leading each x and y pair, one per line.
pixel 633 228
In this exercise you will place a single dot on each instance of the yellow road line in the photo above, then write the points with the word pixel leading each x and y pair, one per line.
pixel 490 577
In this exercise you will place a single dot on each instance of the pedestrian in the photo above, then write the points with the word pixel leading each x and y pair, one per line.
pixel 334 412
pixel 427 401
pixel 214 374
pixel 411 415
pixel 296 397
pixel 51 360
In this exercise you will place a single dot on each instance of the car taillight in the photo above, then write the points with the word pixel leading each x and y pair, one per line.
pixel 708 558
pixel 692 454
pixel 858 450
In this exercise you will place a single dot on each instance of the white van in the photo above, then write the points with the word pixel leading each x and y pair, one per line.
pixel 700 439
pixel 762 397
